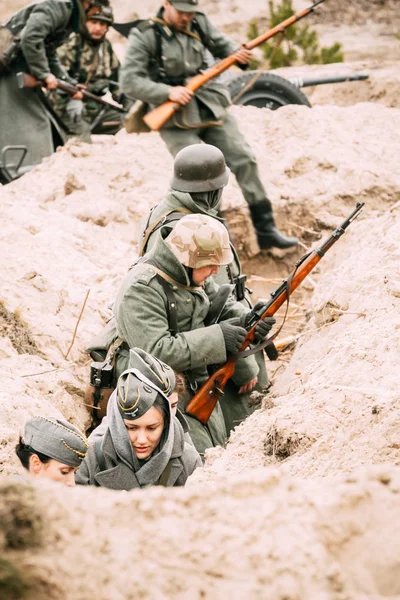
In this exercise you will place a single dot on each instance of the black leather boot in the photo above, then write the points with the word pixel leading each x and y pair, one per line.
pixel 267 234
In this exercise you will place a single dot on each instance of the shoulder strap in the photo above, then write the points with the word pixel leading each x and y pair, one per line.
pixel 165 474
pixel 99 455
pixel 176 212
pixel 202 35
pixel 159 55
pixel 171 306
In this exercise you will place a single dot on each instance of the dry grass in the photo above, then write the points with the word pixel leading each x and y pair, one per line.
pixel 13 327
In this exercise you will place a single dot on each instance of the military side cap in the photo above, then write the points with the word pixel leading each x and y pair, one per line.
pixel 187 6
pixel 135 394
pixel 56 439
pixel 157 371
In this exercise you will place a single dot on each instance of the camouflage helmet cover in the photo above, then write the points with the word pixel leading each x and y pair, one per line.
pixel 199 241
pixel 199 168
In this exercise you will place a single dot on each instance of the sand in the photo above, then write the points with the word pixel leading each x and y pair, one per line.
pixel 304 501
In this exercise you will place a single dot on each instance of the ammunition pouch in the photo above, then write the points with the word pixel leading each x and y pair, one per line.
pixel 100 388
pixel 9 47
pixel 240 287
pixel 103 350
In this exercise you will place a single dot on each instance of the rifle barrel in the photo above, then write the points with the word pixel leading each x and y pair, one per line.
pixel 69 88
pixel 311 81
pixel 203 402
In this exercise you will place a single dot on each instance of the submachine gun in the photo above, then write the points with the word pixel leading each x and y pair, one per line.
pixel 204 401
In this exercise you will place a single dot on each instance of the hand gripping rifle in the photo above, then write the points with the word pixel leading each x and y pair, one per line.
pixel 204 401
pixel 26 80
pixel 156 118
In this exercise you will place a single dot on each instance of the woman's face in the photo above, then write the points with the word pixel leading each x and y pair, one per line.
pixel 145 433
pixel 53 470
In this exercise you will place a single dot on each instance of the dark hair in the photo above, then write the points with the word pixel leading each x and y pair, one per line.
pixel 180 384
pixel 160 404
pixel 24 453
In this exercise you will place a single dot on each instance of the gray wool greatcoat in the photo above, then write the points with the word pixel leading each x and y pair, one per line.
pixel 118 476
pixel 234 406
pixel 43 27
pixel 141 319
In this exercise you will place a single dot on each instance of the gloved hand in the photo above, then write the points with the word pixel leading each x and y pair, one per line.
pixel 233 334
pixel 74 110
pixel 263 327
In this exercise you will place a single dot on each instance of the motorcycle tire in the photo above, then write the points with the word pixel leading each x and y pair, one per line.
pixel 268 91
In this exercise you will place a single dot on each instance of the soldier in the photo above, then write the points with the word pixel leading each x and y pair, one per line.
pixel 39 29
pixel 161 375
pixel 163 52
pixel 143 444
pixel 200 174
pixel 89 59
pixel 52 449
pixel 162 306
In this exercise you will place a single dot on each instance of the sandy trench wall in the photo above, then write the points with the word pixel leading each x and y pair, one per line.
pixel 261 535
pixel 69 226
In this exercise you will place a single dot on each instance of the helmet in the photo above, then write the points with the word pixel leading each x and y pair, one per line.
pixel 104 14
pixel 154 369
pixel 199 241
pixel 199 168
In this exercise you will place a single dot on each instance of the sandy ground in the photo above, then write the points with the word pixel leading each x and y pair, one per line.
pixel 304 501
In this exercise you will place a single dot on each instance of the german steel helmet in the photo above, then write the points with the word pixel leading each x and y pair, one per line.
pixel 199 241
pixel 199 168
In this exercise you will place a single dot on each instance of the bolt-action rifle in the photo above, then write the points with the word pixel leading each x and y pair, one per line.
pixel 204 401
pixel 25 80
pixel 156 118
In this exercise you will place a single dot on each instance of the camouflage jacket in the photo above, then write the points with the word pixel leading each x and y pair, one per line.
pixel 93 64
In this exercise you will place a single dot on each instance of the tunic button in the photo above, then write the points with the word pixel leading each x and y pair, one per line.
pixel 187 300
pixel 174 287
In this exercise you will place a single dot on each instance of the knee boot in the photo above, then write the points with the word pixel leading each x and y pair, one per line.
pixel 268 235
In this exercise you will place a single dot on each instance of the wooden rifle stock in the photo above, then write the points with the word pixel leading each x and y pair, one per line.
pixel 204 401
pixel 157 117
pixel 29 81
